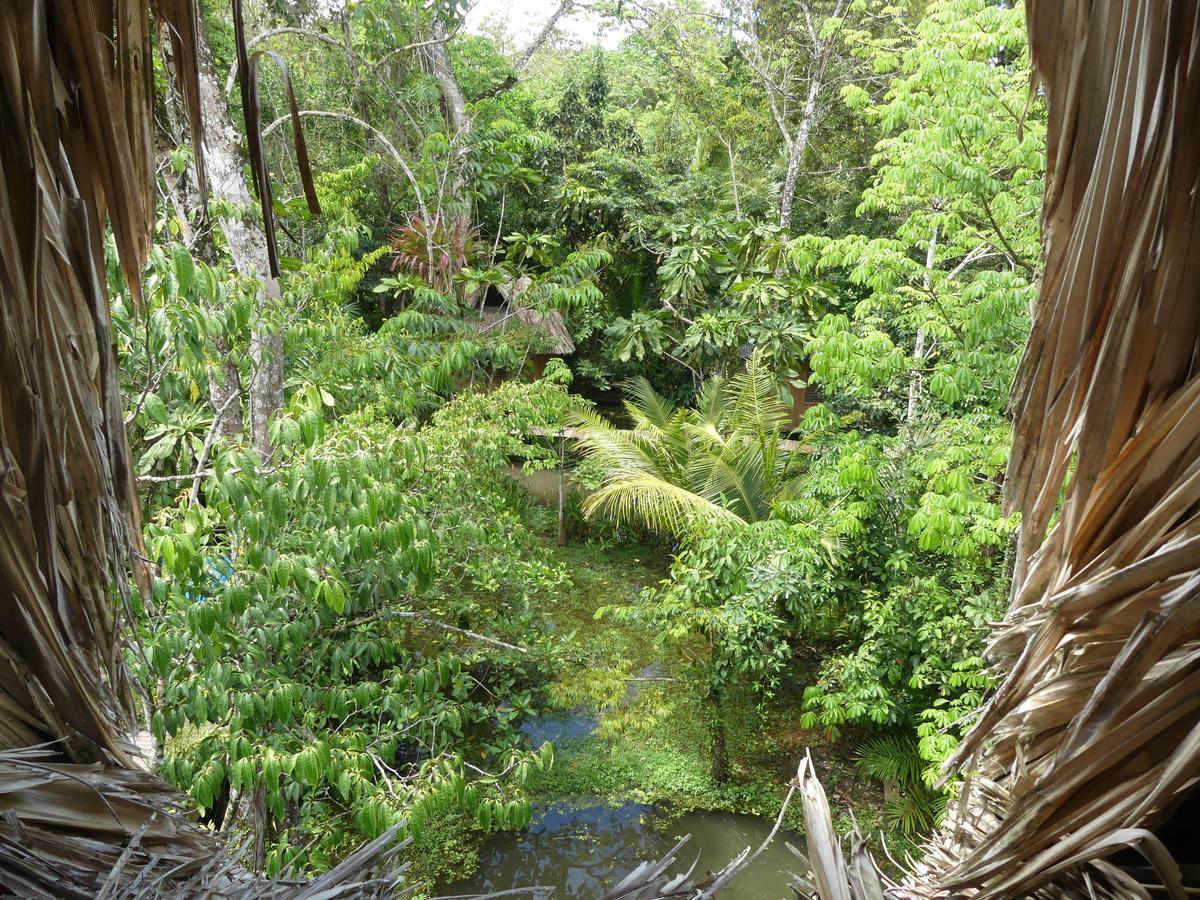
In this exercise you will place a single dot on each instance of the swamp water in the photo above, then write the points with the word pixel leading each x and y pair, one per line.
pixel 583 851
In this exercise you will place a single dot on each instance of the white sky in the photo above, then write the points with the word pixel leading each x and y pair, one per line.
pixel 523 20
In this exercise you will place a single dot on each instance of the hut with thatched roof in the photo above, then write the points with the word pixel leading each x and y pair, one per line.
pixel 502 310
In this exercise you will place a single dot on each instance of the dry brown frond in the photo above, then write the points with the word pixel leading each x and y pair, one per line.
pixel 78 816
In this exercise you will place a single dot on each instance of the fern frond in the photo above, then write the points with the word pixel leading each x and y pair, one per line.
pixel 891 757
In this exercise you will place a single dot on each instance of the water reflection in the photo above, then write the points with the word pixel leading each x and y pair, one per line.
pixel 582 852
pixel 558 726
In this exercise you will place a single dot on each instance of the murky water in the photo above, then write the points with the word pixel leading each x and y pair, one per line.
pixel 584 852
pixel 559 725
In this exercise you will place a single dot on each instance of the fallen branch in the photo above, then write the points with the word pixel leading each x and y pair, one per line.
pixel 429 620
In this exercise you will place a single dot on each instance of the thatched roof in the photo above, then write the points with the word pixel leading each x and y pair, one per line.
pixel 549 324
pixel 511 314
pixel 79 814
pixel 68 516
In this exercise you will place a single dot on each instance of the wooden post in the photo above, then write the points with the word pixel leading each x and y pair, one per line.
pixel 562 519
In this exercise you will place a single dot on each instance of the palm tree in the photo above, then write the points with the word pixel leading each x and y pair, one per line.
pixel 723 460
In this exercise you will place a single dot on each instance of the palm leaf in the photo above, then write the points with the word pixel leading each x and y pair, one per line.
pixel 735 473
pixel 658 504
pixel 648 405
pixel 755 400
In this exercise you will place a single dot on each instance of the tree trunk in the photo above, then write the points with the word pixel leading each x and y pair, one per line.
pixel 224 395
pixel 259 815
pixel 799 144
pixel 563 8
pixel 454 108
pixel 562 506
pixel 247 245
pixel 720 751
pixel 733 185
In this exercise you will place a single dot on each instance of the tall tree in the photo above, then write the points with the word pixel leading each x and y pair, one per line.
pixel 790 45
pixel 247 244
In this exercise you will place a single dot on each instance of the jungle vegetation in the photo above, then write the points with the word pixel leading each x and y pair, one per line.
pixel 731 208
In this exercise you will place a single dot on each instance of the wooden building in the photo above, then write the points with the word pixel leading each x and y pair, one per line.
pixel 548 334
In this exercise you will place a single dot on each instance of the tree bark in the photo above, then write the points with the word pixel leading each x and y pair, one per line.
pixel 247 245
pixel 720 750
pixel 224 393
pixel 799 143
pixel 454 108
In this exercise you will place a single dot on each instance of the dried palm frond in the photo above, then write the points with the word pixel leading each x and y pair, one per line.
pixel 75 118
pixel 79 815
pixel 1093 739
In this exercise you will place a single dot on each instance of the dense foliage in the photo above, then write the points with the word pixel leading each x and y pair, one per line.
pixel 347 628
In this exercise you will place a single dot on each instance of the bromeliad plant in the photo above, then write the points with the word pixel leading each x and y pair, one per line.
pixel 434 249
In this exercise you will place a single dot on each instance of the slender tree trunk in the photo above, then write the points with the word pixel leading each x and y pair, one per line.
pixel 562 518
pixel 799 143
pixel 248 247
pixel 733 184
pixel 454 107
pixel 454 103
pixel 224 393
pixel 259 814
pixel 563 8
pixel 720 750
pixel 916 377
